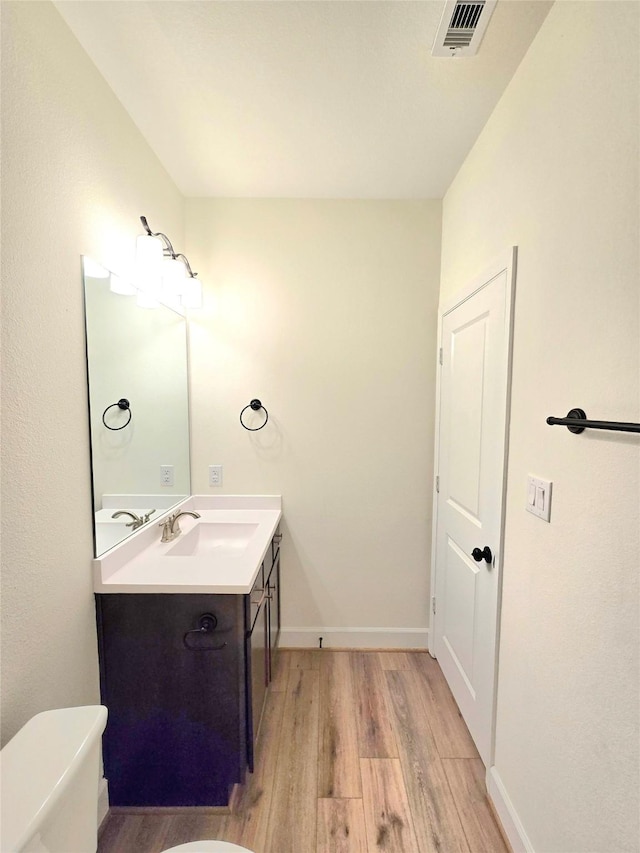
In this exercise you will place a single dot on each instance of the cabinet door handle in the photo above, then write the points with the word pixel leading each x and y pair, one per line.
pixel 259 604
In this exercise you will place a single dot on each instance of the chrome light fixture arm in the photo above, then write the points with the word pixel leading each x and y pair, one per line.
pixel 168 249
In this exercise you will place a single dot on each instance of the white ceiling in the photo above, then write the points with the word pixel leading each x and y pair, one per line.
pixel 310 98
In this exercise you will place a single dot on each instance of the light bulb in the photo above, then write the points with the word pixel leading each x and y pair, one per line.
pixel 149 265
pixel 174 276
pixel 192 294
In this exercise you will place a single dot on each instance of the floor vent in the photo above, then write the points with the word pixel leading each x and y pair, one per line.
pixel 461 27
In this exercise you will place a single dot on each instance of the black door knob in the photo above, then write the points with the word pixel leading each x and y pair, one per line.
pixel 485 554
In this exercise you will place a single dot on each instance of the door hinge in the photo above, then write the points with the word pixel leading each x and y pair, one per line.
pixel 438 484
pixel 433 603
pixel 440 356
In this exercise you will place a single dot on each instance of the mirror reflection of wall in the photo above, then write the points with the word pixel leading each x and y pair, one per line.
pixel 139 354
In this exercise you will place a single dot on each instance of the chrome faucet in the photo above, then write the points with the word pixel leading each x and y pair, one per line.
pixel 136 520
pixel 170 526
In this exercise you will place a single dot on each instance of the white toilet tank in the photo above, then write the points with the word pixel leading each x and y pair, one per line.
pixel 49 783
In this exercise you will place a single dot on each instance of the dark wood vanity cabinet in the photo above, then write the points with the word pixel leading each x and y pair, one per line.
pixel 273 590
pixel 184 678
pixel 264 617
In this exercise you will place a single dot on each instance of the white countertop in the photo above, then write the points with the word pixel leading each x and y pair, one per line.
pixel 143 564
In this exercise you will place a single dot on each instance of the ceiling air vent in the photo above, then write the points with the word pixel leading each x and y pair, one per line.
pixel 461 27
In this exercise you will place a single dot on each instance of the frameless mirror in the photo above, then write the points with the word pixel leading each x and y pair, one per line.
pixel 138 408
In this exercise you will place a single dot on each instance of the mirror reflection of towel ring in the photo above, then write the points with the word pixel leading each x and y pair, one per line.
pixel 123 404
pixel 256 405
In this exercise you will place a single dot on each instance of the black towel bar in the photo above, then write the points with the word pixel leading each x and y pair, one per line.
pixel 577 421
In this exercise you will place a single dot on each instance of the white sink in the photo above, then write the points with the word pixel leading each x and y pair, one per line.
pixel 223 537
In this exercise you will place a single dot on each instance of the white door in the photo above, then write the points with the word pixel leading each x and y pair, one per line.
pixel 475 334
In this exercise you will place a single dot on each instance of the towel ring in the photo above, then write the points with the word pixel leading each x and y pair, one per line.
pixel 256 405
pixel 123 404
pixel 206 625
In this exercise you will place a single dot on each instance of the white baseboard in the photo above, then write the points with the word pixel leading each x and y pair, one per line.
pixel 353 638
pixel 511 823
pixel 103 800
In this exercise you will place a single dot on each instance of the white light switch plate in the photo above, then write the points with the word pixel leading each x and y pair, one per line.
pixel 539 497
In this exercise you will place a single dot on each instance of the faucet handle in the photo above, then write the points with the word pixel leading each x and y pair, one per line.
pixel 166 524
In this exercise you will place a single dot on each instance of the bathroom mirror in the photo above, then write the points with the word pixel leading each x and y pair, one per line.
pixel 138 407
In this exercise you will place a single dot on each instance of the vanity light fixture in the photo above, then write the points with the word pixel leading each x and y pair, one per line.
pixel 174 274
pixel 164 274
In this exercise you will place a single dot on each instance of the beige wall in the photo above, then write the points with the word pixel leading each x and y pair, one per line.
pixel 326 311
pixel 555 172
pixel 76 176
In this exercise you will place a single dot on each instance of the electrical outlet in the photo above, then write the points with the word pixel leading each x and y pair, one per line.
pixel 215 475
pixel 166 475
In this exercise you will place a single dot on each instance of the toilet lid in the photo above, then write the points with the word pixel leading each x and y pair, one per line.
pixel 207 847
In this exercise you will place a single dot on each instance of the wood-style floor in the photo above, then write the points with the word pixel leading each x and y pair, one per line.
pixel 358 752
